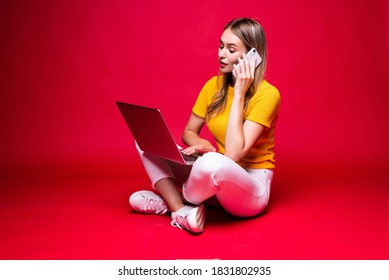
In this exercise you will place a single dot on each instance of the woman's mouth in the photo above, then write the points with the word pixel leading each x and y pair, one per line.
pixel 222 64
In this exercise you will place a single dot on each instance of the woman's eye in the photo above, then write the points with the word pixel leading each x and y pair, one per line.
pixel 232 51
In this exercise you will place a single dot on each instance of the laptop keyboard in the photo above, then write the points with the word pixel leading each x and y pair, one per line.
pixel 189 157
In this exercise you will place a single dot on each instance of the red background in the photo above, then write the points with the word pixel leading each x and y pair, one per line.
pixel 65 63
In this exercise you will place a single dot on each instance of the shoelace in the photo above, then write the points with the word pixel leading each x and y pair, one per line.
pixel 157 205
pixel 180 221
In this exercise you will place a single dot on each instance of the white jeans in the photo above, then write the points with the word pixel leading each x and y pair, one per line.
pixel 241 192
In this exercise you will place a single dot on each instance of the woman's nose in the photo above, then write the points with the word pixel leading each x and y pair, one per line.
pixel 221 53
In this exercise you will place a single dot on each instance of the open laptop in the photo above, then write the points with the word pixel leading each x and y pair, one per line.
pixel 151 132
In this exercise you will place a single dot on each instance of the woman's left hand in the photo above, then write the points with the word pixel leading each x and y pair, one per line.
pixel 244 75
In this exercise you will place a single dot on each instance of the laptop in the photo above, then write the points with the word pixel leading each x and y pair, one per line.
pixel 152 134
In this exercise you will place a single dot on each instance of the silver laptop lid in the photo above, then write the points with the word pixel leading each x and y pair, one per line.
pixel 150 131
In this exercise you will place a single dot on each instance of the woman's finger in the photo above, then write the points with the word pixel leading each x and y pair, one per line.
pixel 248 67
pixel 245 68
pixel 252 67
pixel 237 70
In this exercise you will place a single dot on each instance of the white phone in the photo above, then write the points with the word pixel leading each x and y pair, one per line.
pixel 253 53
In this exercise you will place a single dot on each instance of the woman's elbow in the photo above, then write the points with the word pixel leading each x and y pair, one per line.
pixel 233 155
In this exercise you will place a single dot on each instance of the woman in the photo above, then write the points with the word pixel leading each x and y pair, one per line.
pixel 240 110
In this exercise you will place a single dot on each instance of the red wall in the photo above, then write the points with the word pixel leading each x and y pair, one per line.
pixel 65 63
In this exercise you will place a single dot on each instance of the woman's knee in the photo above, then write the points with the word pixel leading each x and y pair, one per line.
pixel 140 152
pixel 210 163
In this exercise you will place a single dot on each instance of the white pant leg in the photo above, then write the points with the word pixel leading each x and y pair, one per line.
pixel 241 192
pixel 158 168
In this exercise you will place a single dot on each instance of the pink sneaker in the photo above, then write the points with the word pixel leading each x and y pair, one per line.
pixel 191 218
pixel 148 202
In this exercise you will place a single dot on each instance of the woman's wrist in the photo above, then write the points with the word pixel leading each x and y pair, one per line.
pixel 238 99
pixel 238 94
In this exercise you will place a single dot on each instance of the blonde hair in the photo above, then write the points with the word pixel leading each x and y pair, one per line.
pixel 251 33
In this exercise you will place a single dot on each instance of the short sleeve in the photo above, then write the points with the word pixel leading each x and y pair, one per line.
pixel 264 106
pixel 205 98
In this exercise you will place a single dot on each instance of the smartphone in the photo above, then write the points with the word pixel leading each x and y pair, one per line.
pixel 253 53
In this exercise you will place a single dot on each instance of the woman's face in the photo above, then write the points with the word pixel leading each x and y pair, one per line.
pixel 230 49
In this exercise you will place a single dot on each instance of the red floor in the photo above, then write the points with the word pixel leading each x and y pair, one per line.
pixel 310 216
pixel 63 67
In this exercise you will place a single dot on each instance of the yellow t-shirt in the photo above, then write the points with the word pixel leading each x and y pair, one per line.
pixel 263 109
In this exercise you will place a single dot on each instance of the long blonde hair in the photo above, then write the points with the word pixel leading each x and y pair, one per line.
pixel 251 33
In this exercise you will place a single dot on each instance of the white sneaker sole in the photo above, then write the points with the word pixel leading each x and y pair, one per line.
pixel 200 219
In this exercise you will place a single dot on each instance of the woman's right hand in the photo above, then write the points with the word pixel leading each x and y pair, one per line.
pixel 191 137
pixel 203 146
